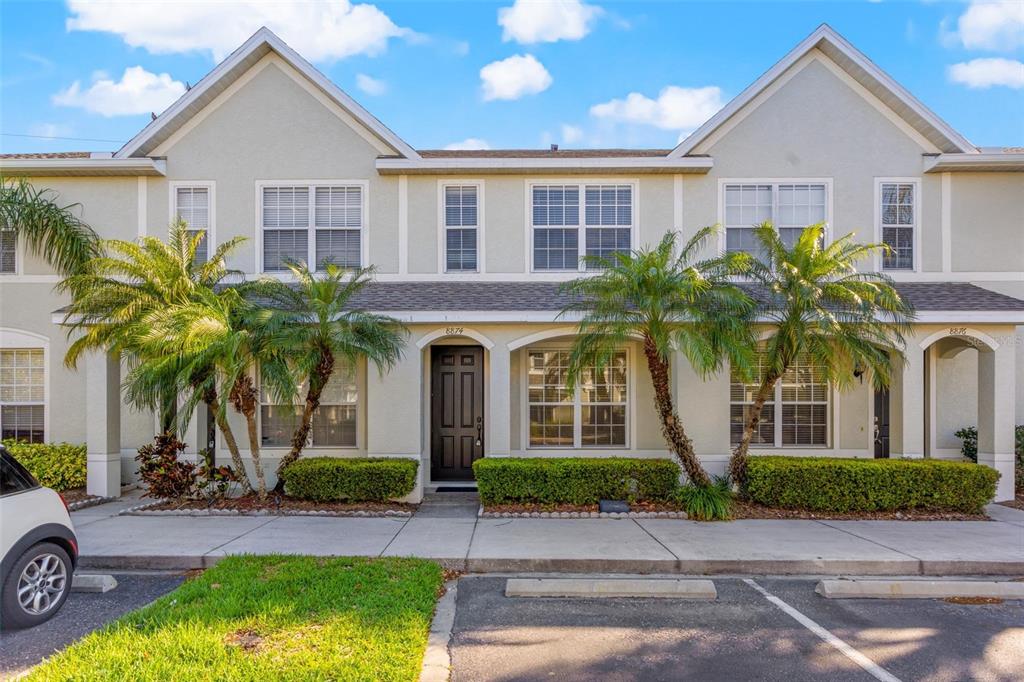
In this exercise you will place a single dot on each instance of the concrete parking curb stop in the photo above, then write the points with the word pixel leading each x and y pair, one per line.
pixel 590 588
pixel 918 589
pixel 84 582
pixel 437 660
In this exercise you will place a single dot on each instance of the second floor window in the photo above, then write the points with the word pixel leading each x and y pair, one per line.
pixel 606 221
pixel 313 224
pixel 8 251
pixel 461 228
pixel 192 205
pixel 789 206
pixel 898 220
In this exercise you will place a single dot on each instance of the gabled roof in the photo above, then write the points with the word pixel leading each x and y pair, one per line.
pixel 237 63
pixel 861 69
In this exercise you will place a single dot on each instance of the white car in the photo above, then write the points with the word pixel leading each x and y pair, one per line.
pixel 38 546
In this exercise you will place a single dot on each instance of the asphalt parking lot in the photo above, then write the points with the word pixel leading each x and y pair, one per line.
pixel 83 613
pixel 743 635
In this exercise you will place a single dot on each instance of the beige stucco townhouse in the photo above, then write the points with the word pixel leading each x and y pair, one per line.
pixel 471 246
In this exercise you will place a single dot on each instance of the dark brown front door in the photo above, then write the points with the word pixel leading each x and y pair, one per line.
pixel 882 423
pixel 456 411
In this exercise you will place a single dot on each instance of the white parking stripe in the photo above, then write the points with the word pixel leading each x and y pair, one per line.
pixel 875 670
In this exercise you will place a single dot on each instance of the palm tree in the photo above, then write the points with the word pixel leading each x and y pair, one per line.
pixel 111 300
pixel 49 230
pixel 671 302
pixel 220 336
pixel 820 307
pixel 313 324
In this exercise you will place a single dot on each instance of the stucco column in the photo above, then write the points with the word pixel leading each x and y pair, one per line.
pixel 908 398
pixel 497 439
pixel 394 413
pixel 996 415
pixel 103 425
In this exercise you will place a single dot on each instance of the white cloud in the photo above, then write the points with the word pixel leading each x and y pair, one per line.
pixel 319 31
pixel 469 143
pixel 992 25
pixel 514 77
pixel 547 21
pixel 370 85
pixel 138 92
pixel 985 73
pixel 50 130
pixel 675 108
pixel 571 134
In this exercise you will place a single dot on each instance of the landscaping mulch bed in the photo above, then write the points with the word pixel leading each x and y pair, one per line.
pixel 77 499
pixel 574 511
pixel 273 505
pixel 742 509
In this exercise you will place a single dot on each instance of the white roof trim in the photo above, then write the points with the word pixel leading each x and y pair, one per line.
pixel 984 161
pixel 827 34
pixel 262 37
pixel 693 164
pixel 84 166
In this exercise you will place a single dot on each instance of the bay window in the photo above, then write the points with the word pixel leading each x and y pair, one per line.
pixel 796 414
pixel 594 415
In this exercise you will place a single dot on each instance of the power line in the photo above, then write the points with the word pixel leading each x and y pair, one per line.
pixel 56 137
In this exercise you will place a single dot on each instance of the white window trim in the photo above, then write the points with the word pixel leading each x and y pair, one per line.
pixel 524 442
pixel 775 182
pixel 582 182
pixel 364 230
pixel 13 339
pixel 831 410
pixel 442 236
pixel 360 375
pixel 172 207
pixel 916 182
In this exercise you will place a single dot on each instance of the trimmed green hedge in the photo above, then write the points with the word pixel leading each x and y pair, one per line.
pixel 60 466
pixel 573 480
pixel 336 479
pixel 863 485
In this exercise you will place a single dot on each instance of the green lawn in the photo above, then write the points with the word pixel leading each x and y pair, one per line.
pixel 270 618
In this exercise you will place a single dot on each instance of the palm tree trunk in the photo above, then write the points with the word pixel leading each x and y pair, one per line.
pixel 671 427
pixel 229 438
pixel 317 382
pixel 738 461
pixel 243 398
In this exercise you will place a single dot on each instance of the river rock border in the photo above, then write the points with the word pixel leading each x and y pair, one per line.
pixel 90 502
pixel 484 514
pixel 147 510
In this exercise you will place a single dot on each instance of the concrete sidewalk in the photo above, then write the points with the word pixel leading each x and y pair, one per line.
pixel 570 545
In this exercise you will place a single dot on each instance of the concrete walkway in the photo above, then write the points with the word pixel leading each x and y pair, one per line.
pixel 447 531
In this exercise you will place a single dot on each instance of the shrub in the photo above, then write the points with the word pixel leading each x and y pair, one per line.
pixel 864 485
pixel 968 442
pixel 331 479
pixel 60 466
pixel 706 502
pixel 574 480
pixel 164 475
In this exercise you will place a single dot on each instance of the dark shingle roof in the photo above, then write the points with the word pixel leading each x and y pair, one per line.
pixel 47 155
pixel 541 153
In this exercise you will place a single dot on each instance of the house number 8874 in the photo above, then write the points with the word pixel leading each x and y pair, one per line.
pixel 452 331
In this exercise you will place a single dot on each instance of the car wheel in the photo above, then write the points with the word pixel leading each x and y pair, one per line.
pixel 37 586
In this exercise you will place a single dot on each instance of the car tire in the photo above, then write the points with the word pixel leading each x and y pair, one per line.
pixel 51 568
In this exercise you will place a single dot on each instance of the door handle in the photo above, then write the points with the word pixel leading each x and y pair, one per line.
pixel 479 431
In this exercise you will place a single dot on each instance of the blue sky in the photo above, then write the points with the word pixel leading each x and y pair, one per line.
pixel 630 74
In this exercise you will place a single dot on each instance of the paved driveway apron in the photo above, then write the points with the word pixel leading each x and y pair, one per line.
pixel 742 635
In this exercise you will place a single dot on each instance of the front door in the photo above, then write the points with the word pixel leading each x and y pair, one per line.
pixel 456 411
pixel 881 423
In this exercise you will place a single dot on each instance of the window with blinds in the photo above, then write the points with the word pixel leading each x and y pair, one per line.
pixel 461 223
pixel 192 206
pixel 334 421
pixel 312 224
pixel 789 206
pixel 606 222
pixel 899 223
pixel 8 251
pixel 796 414
pixel 22 394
